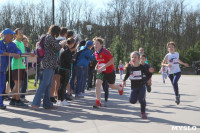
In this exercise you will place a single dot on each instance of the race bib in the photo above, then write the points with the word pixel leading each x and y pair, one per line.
pixel 102 64
pixel 135 75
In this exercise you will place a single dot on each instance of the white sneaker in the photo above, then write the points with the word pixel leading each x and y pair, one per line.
pixel 65 103
pixel 58 102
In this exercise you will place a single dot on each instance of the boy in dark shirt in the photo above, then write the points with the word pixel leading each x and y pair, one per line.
pixel 147 66
pixel 135 73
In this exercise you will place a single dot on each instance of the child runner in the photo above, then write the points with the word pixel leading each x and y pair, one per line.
pixel 105 70
pixel 172 61
pixel 164 72
pixel 135 73
pixel 141 51
pixel 147 66
pixel 121 69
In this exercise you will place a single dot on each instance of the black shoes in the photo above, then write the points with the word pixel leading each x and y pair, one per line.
pixel 177 100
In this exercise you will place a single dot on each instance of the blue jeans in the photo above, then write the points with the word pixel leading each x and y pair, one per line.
pixel 44 89
pixel 138 94
pixel 81 74
pixel 24 85
pixel 2 85
pixel 174 80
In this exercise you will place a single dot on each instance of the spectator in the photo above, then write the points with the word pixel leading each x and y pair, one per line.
pixel 48 65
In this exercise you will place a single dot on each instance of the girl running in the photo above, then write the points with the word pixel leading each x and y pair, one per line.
pixel 172 61
pixel 135 73
pixel 164 72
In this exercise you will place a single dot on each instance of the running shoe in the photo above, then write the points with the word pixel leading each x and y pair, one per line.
pixel 144 116
pixel 148 88
pixel 121 90
pixel 97 104
pixel 12 102
pixel 53 100
pixel 177 100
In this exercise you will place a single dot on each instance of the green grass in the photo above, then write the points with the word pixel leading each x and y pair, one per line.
pixel 31 84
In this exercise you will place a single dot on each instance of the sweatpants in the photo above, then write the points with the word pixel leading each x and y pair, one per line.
pixel 174 80
pixel 138 94
pixel 2 85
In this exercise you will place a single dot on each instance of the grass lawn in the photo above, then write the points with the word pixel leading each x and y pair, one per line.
pixel 31 84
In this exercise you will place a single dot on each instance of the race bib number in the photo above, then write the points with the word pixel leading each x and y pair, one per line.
pixel 135 75
pixel 102 64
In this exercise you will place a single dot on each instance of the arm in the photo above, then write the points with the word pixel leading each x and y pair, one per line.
pixel 185 64
pixel 126 76
pixel 110 62
pixel 164 62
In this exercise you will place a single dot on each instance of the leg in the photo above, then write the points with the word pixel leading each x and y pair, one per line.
pixel 24 85
pixel 45 79
pixel 2 86
pixel 105 88
pixel 134 95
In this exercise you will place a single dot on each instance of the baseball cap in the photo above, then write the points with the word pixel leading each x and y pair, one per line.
pixel 89 43
pixel 8 31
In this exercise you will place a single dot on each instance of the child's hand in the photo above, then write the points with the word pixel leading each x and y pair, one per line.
pixel 169 65
pixel 151 69
pixel 124 83
pixel 186 65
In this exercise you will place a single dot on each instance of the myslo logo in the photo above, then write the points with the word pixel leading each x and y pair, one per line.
pixel 184 128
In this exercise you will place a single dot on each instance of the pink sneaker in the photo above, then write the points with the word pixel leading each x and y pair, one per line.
pixel 121 90
pixel 144 116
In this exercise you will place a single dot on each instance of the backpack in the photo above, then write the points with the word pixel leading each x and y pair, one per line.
pixel 76 54
pixel 40 49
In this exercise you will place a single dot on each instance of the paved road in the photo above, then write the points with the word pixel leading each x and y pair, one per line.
pixel 164 116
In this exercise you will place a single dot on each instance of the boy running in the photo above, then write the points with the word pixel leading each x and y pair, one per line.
pixel 105 70
pixel 147 66
pixel 172 61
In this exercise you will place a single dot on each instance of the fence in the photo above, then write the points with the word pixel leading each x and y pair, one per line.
pixel 28 59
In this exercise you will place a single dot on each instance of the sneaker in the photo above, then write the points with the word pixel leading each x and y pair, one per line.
pixel 163 81
pixel 12 102
pixel 177 100
pixel 2 107
pixel 148 88
pixel 24 100
pixel 20 104
pixel 65 103
pixel 53 100
pixel 7 98
pixel 144 116
pixel 121 90
pixel 68 97
pixel 97 104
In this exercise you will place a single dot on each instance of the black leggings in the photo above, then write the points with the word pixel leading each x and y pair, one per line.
pixel 64 80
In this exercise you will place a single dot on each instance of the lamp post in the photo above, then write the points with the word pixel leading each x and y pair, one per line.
pixel 89 28
pixel 53 11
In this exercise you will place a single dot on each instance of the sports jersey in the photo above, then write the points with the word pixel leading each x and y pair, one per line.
pixel 103 57
pixel 135 74
pixel 173 60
